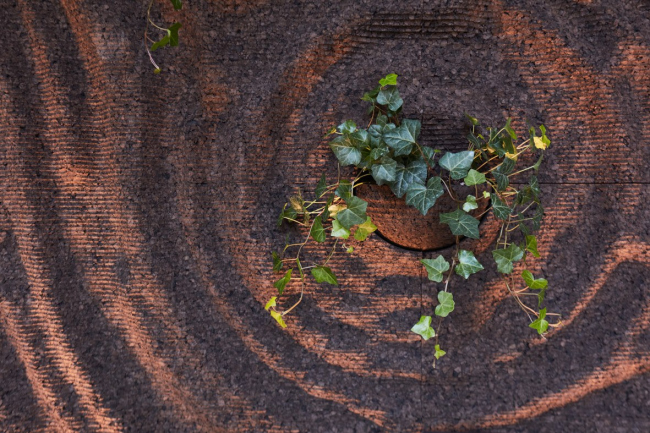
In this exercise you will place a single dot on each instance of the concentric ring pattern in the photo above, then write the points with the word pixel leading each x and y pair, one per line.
pixel 138 214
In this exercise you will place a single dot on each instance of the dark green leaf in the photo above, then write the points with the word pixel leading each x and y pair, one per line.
pixel 364 230
pixel 423 198
pixel 173 34
pixel 505 258
pixel 509 129
pixel 470 203
pixel 345 151
pixel 461 223
pixel 541 325
pixel 538 163
pixel 289 213
pixel 338 231
pixel 321 187
pixel 537 217
pixel 317 231
pixel 415 171
pixel 474 178
pixel 534 187
pixel 163 42
pixel 458 164
pixel 354 214
pixel 531 282
pixel 423 328
pixel 468 264
pixel 435 268
pixel 277 262
pixel 389 80
pixel 403 138
pixel 501 210
pixel 323 274
pixel 429 155
pixel 378 152
pixel 446 305
pixel 344 190
pixel 282 282
pixel 372 95
pixel 389 96
pixel 384 171
pixel 178 4
pixel 347 127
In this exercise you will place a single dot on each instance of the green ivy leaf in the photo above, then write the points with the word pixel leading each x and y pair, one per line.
pixel 423 328
pixel 350 250
pixel 541 325
pixel 509 129
pixel 271 303
pixel 468 264
pixel 429 155
pixel 277 262
pixel 457 164
pixel 338 231
pixel 379 152
pixel 501 173
pixel 403 138
pixel 535 284
pixel 389 80
pixel 501 210
pixel 323 274
pixel 178 4
pixel 372 95
pixel 278 318
pixel 505 258
pixel 317 231
pixel 389 96
pixel 446 305
pixel 436 267
pixel 473 120
pixel 344 190
pixel 354 214
pixel 534 187
pixel 163 42
pixel 461 223
pixel 474 178
pixel 347 127
pixel 384 171
pixel 282 282
pixel 289 213
pixel 537 217
pixel 470 203
pixel 531 245
pixel 364 230
pixel 173 34
pixel 346 152
pixel 423 198
pixel 405 175
pixel 439 352
pixel 321 186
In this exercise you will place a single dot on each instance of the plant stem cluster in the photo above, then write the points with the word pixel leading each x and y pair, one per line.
pixel 389 152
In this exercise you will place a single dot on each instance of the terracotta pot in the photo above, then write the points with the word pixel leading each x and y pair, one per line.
pixel 404 225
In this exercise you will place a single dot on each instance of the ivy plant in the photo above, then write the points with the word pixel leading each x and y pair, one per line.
pixel 388 152
pixel 169 35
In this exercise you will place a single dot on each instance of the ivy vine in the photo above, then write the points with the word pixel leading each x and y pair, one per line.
pixel 388 152
pixel 168 38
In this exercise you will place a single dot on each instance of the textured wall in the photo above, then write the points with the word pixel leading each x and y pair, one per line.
pixel 138 212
